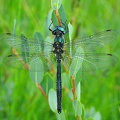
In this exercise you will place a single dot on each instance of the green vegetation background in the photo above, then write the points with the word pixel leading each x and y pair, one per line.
pixel 20 99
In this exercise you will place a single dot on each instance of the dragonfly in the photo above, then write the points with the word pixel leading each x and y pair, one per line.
pixel 40 55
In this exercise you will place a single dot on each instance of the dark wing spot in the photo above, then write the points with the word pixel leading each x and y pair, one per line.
pixel 9 55
pixel 8 33
pixel 108 30
pixel 109 54
pixel 91 36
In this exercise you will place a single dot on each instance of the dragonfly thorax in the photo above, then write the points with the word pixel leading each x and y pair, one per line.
pixel 58 49
pixel 58 31
pixel 59 39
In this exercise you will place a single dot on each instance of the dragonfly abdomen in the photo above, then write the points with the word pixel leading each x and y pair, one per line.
pixel 59 87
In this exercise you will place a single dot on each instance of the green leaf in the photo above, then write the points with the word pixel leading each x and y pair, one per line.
pixel 78 91
pixel 70 94
pixel 62 17
pixel 52 99
pixel 97 116
pixel 83 113
pixel 54 19
pixel 24 47
pixel 76 62
pixel 61 116
pixel 92 113
pixel 47 47
pixel 14 28
pixel 38 36
pixel 47 83
pixel 90 118
pixel 56 4
pixel 37 39
pixel 49 21
pixel 65 80
pixel 79 76
pixel 70 27
pixel 78 108
pixel 37 65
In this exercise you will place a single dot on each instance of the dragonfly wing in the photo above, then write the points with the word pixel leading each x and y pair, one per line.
pixel 93 61
pixel 23 44
pixel 93 43
pixel 30 63
pixel 91 52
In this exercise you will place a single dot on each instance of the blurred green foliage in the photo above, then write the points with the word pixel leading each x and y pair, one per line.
pixel 20 99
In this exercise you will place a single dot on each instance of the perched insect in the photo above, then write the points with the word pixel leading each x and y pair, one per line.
pixel 37 55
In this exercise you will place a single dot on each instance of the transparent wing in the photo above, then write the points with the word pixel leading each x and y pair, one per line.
pixel 31 63
pixel 91 61
pixel 23 44
pixel 36 54
pixel 93 43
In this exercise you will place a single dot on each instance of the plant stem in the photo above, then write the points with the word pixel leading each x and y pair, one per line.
pixel 20 59
pixel 58 17
pixel 73 87
pixel 42 91
pixel 78 118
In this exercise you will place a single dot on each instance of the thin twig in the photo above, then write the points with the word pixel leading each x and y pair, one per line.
pixel 27 67
pixel 73 87
pixel 58 17
pixel 42 91
pixel 78 118
pixel 20 59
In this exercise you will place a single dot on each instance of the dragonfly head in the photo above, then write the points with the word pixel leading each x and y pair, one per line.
pixel 58 31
